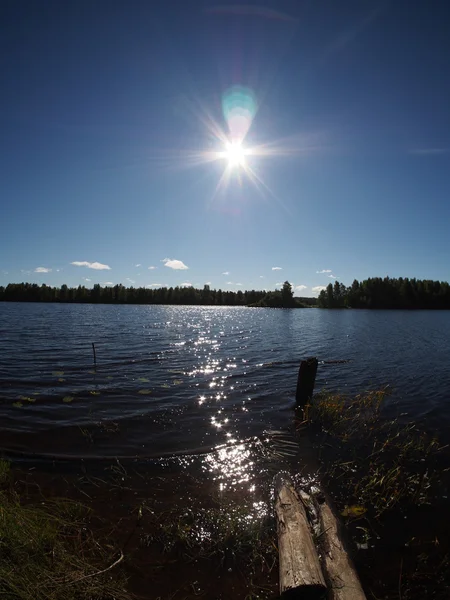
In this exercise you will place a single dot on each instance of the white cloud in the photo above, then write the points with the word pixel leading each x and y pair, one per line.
pixel 240 284
pixel 138 265
pixel 186 284
pixel 300 288
pixel 132 281
pixel 230 283
pixel 107 283
pixel 86 279
pixel 42 270
pixel 318 288
pixel 207 283
pixel 332 276
pixel 94 265
pixel 278 284
pixel 261 276
pixel 152 268
pixel 150 285
pixel 25 272
pixel 429 151
pixel 5 272
pixel 324 271
pixel 226 273
pixel 174 264
pixel 277 268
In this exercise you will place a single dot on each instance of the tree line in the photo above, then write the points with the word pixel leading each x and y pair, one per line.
pixel 371 293
pixel 119 294
pixel 376 292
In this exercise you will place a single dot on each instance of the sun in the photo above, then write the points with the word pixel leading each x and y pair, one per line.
pixel 235 154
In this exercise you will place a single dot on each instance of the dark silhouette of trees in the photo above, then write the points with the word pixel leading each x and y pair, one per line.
pixel 370 293
pixel 287 295
pixel 387 293
pixel 118 294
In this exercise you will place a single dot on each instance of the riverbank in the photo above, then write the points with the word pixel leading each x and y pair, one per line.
pixel 167 526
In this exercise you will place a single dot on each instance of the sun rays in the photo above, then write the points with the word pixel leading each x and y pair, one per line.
pixel 229 145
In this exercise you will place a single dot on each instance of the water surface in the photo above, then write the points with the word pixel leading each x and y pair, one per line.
pixel 183 380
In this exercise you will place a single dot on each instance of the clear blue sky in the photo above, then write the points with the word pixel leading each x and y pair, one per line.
pixel 111 110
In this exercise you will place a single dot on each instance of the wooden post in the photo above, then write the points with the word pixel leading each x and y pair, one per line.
pixel 340 572
pixel 305 382
pixel 300 572
pixel 95 358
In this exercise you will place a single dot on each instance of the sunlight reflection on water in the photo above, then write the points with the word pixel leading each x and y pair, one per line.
pixel 177 379
pixel 231 465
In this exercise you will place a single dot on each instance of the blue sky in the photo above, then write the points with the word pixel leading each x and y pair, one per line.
pixel 113 142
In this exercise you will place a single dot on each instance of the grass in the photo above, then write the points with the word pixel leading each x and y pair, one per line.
pixel 380 463
pixel 388 481
pixel 47 551
pixel 229 536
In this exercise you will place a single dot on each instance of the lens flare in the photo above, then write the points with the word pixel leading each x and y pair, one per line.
pixel 229 144
pixel 239 108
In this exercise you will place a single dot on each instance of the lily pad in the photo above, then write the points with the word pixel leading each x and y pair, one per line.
pixel 353 511
pixel 145 392
pixel 58 373
pixel 67 399
pixel 18 404
pixel 177 381
pixel 92 372
pixel 61 380
pixel 27 399
pixel 165 385
pixel 143 379
pixel 94 393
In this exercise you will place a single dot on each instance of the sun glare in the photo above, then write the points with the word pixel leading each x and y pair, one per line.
pixel 235 154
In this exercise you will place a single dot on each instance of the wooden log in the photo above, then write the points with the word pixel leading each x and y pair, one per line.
pixel 305 381
pixel 340 572
pixel 300 572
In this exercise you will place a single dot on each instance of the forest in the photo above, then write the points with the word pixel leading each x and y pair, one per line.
pixel 387 293
pixel 376 292
pixel 119 294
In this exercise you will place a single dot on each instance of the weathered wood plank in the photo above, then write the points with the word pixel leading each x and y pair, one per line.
pixel 343 580
pixel 300 572
pixel 305 381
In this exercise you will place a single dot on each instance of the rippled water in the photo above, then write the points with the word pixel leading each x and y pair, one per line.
pixel 183 380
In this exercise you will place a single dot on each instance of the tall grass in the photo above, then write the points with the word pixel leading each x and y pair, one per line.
pixel 388 481
pixel 378 462
pixel 47 552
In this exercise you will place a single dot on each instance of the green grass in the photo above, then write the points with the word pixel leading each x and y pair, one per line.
pixel 5 472
pixel 47 552
pixel 380 463
pixel 387 480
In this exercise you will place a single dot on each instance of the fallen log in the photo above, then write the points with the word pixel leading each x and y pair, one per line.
pixel 340 572
pixel 300 572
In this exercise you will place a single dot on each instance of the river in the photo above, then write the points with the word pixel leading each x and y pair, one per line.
pixel 176 379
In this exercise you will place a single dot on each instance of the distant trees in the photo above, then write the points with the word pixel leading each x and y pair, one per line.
pixel 387 293
pixel 284 298
pixel 370 293
pixel 287 295
pixel 119 294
